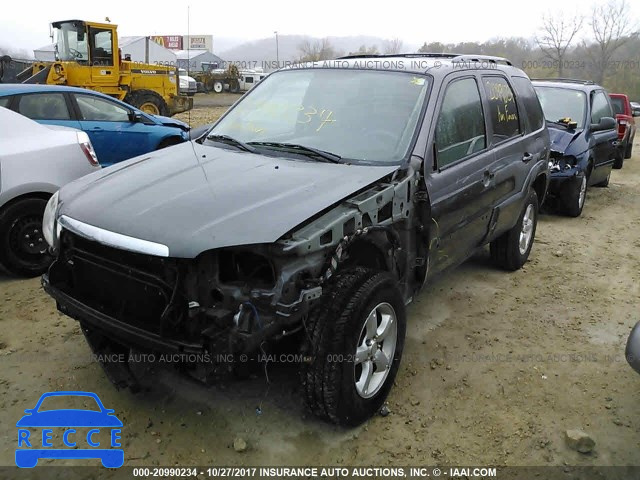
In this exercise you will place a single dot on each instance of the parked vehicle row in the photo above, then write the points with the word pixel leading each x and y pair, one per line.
pixel 316 209
pixel 117 130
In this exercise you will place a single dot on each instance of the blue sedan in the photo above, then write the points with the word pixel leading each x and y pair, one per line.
pixel 117 130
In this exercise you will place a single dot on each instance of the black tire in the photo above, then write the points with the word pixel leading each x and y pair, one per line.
pixel 571 201
pixel 505 250
pixel 234 86
pixel 619 161
pixel 335 330
pixel 23 249
pixel 629 150
pixel 147 100
pixel 605 182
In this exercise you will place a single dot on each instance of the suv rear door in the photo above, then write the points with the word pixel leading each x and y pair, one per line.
pixel 458 182
pixel 519 141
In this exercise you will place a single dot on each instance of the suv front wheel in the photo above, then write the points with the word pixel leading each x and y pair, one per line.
pixel 355 338
pixel 511 250
pixel 575 196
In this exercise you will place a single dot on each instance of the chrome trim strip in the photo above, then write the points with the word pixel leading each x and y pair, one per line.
pixel 113 239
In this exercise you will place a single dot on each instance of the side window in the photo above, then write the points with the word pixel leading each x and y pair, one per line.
pixel 100 110
pixel 460 130
pixel 531 103
pixel 4 102
pixel 248 79
pixel 600 107
pixel 101 47
pixel 503 110
pixel 44 106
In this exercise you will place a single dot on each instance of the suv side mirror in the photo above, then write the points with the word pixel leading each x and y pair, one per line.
pixel 606 123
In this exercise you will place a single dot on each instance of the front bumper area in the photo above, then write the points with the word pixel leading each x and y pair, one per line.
pixel 120 331
pixel 561 181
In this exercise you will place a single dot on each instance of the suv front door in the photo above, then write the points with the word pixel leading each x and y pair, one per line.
pixel 459 180
pixel 603 142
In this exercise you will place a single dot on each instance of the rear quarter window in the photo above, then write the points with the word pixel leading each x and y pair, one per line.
pixel 4 101
pixel 530 101
pixel 503 110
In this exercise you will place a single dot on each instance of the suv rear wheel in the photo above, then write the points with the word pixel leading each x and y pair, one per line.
pixel 355 341
pixel 511 250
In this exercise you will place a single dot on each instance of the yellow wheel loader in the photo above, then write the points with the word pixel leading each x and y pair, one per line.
pixel 88 56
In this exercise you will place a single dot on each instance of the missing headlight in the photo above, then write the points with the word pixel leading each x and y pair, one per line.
pixel 238 266
pixel 559 162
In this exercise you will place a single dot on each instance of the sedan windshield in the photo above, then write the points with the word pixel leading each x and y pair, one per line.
pixel 366 116
pixel 560 103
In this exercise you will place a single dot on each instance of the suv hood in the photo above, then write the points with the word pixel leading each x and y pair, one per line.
pixel 194 198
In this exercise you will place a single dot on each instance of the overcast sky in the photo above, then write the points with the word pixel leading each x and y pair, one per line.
pixel 26 25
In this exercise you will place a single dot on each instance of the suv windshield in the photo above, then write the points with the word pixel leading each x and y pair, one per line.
pixel 558 103
pixel 359 115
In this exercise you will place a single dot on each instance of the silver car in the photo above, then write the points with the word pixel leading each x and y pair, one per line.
pixel 35 161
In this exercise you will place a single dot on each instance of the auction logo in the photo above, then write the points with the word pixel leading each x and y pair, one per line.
pixel 97 422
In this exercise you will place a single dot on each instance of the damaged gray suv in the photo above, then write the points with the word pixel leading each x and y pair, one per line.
pixel 315 208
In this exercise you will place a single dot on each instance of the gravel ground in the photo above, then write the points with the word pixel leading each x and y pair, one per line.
pixel 497 366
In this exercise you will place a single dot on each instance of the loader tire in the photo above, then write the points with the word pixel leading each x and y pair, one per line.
pixel 148 101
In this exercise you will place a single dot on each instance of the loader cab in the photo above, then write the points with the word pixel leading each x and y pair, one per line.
pixel 89 44
pixel 86 43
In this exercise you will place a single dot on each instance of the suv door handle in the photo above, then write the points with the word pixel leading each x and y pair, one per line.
pixel 527 157
pixel 487 178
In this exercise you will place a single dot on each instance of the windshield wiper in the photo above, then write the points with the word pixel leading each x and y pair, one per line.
pixel 301 149
pixel 227 140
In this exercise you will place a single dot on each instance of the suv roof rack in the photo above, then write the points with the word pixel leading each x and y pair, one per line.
pixel 564 80
pixel 454 57
pixel 407 55
pixel 481 58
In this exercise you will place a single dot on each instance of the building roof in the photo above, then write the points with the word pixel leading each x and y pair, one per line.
pixel 189 54
pixel 124 41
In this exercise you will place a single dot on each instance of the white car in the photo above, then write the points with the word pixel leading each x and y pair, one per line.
pixel 188 85
pixel 35 161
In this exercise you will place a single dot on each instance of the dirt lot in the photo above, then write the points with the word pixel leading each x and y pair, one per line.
pixel 496 366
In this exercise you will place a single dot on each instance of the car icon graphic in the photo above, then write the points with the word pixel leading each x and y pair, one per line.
pixel 27 456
